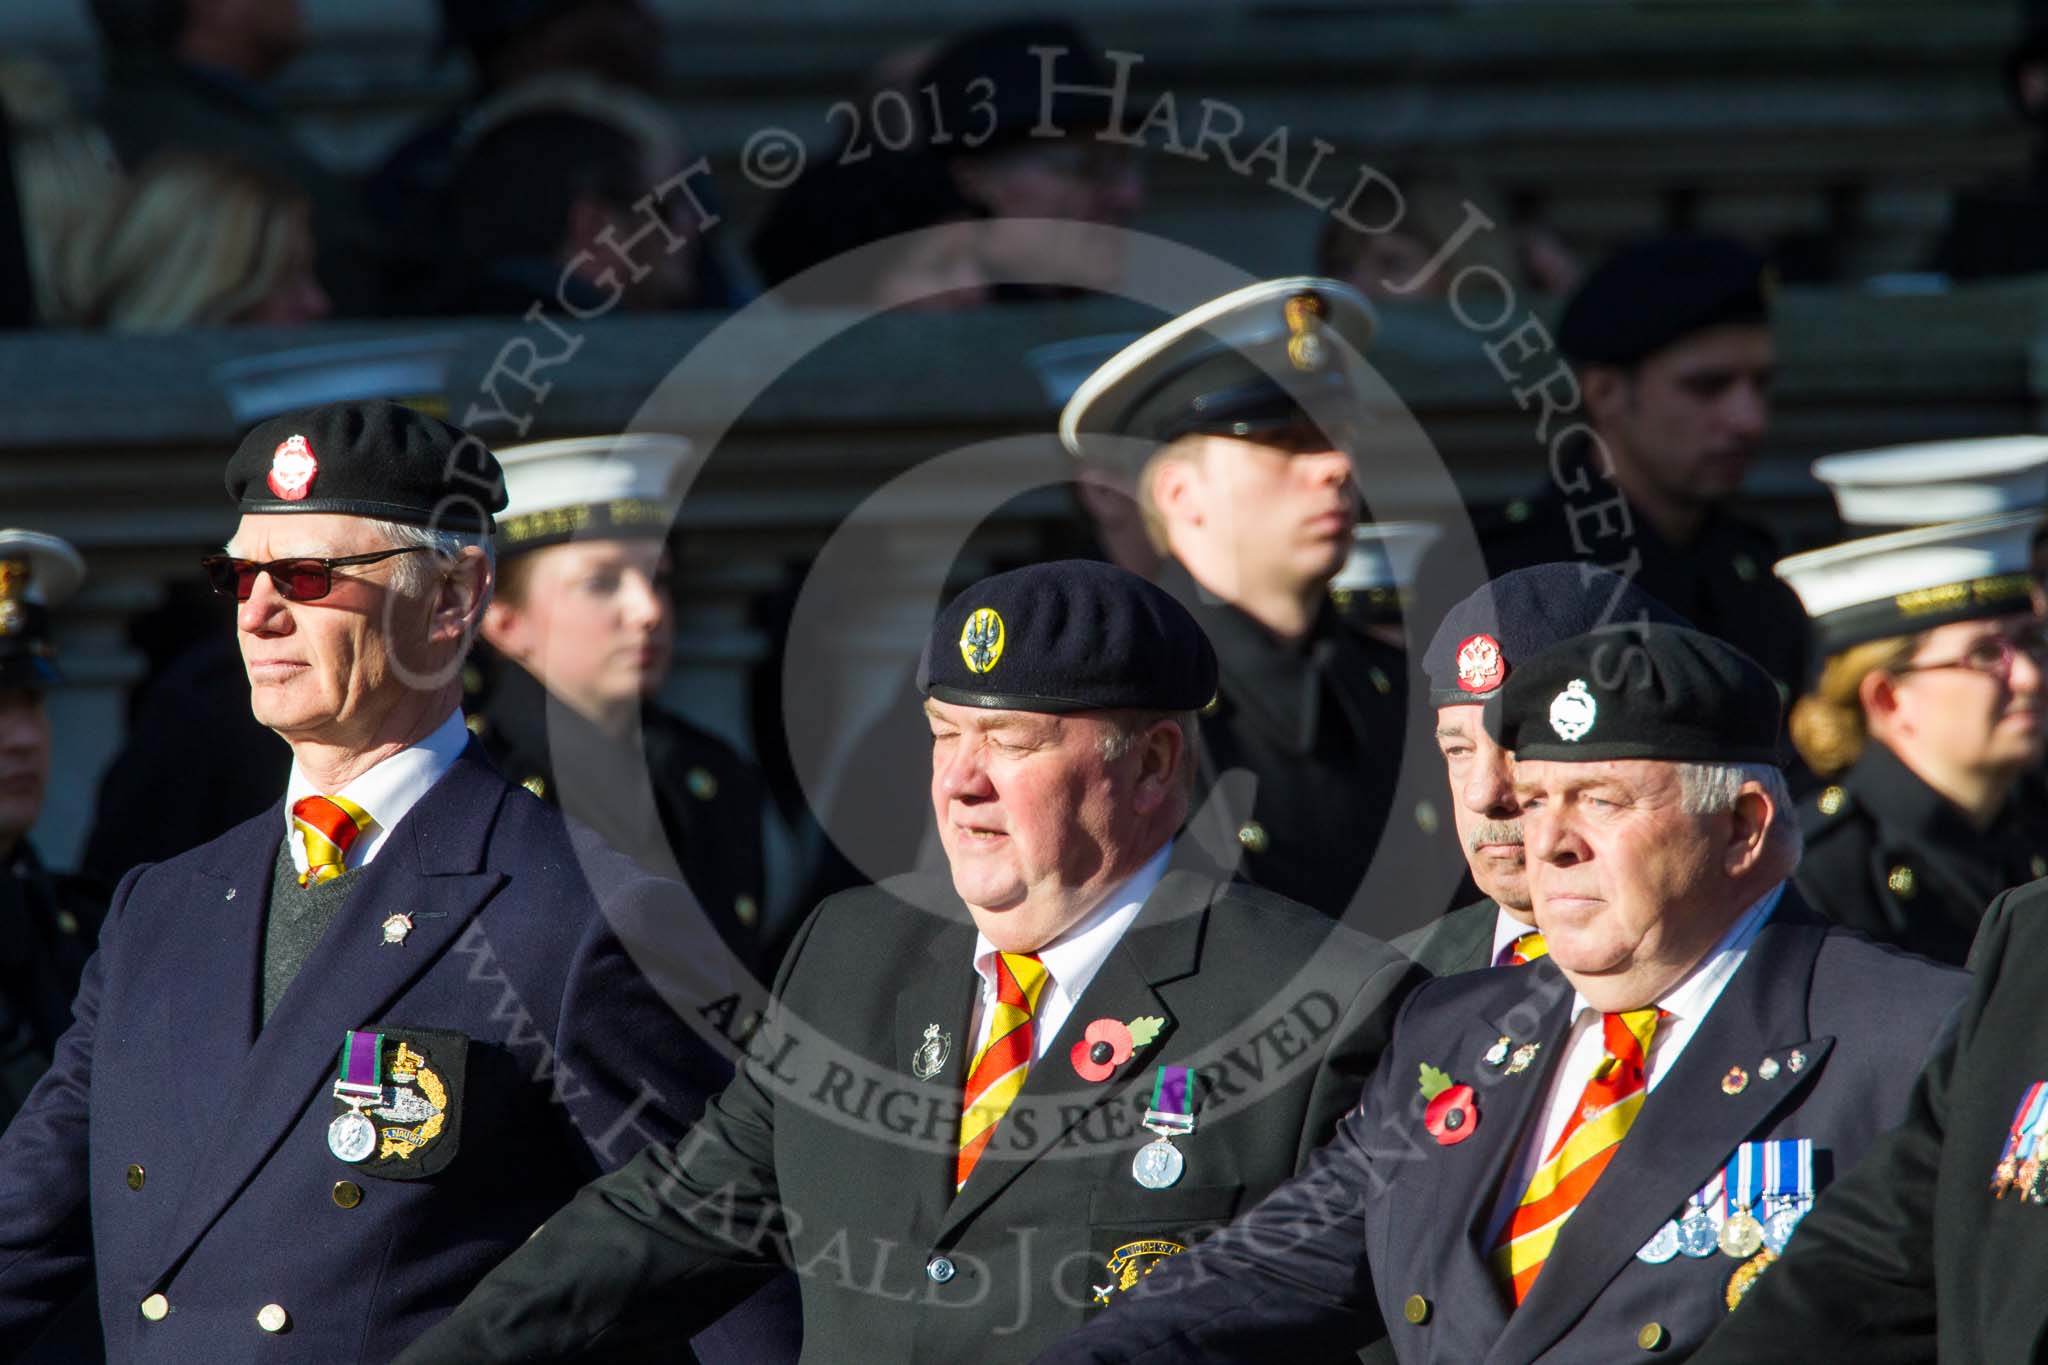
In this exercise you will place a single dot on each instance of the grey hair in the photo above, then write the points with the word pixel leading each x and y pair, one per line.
pixel 410 574
pixel 1126 726
pixel 1711 788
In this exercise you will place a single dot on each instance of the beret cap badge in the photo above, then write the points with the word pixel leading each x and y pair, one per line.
pixel 1572 711
pixel 1480 666
pixel 292 467
pixel 981 640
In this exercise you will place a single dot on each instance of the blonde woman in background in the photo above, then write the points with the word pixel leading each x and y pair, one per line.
pixel 202 241
pixel 66 182
pixel 1928 738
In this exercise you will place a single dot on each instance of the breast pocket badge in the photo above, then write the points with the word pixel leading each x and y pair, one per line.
pixel 398 1101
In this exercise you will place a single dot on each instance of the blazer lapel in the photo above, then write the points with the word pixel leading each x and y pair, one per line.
pixel 1162 944
pixel 934 1019
pixel 431 868
pixel 1687 1128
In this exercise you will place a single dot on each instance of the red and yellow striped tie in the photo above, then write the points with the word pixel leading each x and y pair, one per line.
pixel 1606 1109
pixel 329 825
pixel 998 1071
pixel 1527 949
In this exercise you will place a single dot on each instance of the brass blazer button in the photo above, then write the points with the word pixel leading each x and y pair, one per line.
pixel 1416 1310
pixel 347 1193
pixel 135 1177
pixel 1653 1337
pixel 156 1307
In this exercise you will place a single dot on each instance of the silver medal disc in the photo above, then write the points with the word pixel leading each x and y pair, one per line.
pixel 1662 1246
pixel 1157 1165
pixel 1778 1227
pixel 1697 1235
pixel 351 1137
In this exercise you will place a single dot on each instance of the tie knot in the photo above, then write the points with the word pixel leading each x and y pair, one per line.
pixel 328 826
pixel 1527 949
pixel 1628 1033
pixel 1020 980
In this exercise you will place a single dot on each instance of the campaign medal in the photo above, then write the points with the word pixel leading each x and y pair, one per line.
pixel 1788 1189
pixel 352 1137
pixel 1742 1236
pixel 1698 1234
pixel 2026 1120
pixel 1663 1244
pixel 1159 1163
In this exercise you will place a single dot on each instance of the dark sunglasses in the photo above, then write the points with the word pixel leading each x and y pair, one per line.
pixel 297 580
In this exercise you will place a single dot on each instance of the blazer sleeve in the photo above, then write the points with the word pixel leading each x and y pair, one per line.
pixel 1861 1271
pixel 652 1252
pixel 1355 1047
pixel 45 1178
pixel 1287 1280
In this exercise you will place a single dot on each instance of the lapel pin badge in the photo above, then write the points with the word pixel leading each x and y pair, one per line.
pixel 1524 1055
pixel 1498 1053
pixel 1796 1061
pixel 396 928
pixel 1735 1082
pixel 1768 1069
pixel 930 1058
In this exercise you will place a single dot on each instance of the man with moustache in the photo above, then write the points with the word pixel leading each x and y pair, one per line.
pixel 1593 1157
pixel 1235 422
pixel 1672 365
pixel 1478 644
pixel 1058 988
pixel 327 1069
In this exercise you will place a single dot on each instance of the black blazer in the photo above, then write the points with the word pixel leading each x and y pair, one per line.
pixel 185 1142
pixel 831 1150
pixel 1459 941
pixel 1912 1256
pixel 1389 1222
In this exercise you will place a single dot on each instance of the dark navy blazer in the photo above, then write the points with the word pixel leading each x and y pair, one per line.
pixel 190 1146
pixel 1387 1221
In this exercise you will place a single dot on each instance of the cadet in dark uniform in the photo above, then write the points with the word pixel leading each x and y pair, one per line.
pixel 1234 421
pixel 1468 661
pixel 582 619
pixel 47 923
pixel 1928 723
pixel 1671 343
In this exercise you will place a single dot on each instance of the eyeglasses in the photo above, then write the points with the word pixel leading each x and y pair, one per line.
pixel 1993 655
pixel 297 580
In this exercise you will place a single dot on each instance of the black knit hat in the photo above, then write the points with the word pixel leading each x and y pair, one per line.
pixel 369 459
pixel 1072 635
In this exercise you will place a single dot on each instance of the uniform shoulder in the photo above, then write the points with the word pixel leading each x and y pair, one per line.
pixel 1864 984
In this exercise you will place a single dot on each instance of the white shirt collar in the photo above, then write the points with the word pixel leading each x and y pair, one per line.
pixel 387 791
pixel 1073 959
pixel 1506 929
pixel 1695 994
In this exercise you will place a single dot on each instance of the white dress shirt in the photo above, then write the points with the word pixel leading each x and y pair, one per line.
pixel 1685 1007
pixel 386 791
pixel 1070 961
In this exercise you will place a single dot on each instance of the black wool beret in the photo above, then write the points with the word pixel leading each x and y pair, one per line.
pixel 1484 638
pixel 1650 294
pixel 1655 691
pixel 368 459
pixel 1072 635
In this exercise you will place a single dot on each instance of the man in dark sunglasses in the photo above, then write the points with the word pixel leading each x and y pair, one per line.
pixel 329 1068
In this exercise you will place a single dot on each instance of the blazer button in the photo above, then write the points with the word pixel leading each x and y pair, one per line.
pixel 1653 1337
pixel 940 1269
pixel 1252 836
pixel 347 1193
pixel 135 1177
pixel 156 1307
pixel 271 1317
pixel 1416 1310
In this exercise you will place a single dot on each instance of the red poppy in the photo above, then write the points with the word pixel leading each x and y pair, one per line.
pixel 1105 1046
pixel 1452 1115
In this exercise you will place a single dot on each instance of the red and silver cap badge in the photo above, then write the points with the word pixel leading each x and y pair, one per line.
pixel 1480 665
pixel 292 468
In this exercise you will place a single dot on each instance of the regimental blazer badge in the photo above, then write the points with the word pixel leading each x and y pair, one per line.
pixel 398 1101
pixel 930 1058
pixel 1131 1262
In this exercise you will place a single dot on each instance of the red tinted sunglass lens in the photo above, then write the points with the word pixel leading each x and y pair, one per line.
pixel 304 580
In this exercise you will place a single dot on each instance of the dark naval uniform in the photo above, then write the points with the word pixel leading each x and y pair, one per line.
pixel 47 928
pixel 1722 582
pixel 1934 1245
pixel 1892 857
pixel 708 798
pixel 1319 725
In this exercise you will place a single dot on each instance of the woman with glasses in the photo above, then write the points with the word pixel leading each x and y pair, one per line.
pixel 1926 722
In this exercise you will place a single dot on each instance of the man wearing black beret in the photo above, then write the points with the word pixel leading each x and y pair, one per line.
pixel 1480 643
pixel 327 1069
pixel 988 1106
pixel 1670 342
pixel 1595 1156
